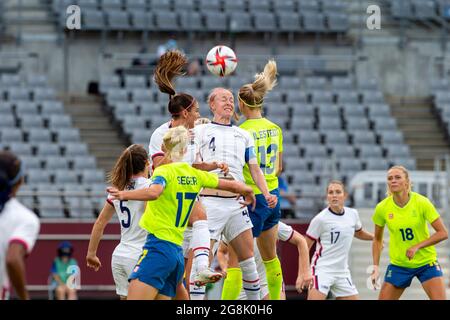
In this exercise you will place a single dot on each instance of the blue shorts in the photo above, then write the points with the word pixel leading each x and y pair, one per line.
pixel 401 277
pixel 161 265
pixel 264 218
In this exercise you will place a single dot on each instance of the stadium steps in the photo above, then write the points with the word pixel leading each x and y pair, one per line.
pixel 421 129
pixel 96 130
pixel 361 258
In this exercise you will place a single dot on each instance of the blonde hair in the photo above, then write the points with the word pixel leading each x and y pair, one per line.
pixel 406 173
pixel 252 94
pixel 175 141
pixel 212 96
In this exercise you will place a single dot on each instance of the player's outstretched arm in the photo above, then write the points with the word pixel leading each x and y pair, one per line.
pixel 147 194
pixel 105 216
pixel 210 166
pixel 364 235
pixel 304 276
pixel 15 266
pixel 239 187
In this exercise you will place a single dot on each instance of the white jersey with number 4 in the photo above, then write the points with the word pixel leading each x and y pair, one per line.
pixel 333 234
pixel 18 224
pixel 225 143
pixel 156 141
pixel 129 212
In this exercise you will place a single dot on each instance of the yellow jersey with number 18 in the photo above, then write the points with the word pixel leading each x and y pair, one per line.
pixel 407 226
pixel 268 143
pixel 167 216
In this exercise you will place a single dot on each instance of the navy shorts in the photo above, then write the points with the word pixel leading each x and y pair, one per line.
pixel 161 265
pixel 401 277
pixel 264 218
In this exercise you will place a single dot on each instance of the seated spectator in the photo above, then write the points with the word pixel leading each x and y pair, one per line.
pixel 61 271
pixel 287 200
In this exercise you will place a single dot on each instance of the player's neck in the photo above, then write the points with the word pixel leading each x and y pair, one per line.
pixel 401 198
pixel 177 122
pixel 222 120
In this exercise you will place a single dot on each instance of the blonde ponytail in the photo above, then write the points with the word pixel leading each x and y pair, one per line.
pixel 175 141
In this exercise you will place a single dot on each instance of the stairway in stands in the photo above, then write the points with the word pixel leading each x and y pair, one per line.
pixel 421 129
pixel 361 258
pixel 101 136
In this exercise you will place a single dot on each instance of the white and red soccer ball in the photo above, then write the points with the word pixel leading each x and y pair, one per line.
pixel 221 61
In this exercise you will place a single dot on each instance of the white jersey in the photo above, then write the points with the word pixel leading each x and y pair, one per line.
pixel 333 234
pixel 129 212
pixel 156 141
pixel 225 143
pixel 17 224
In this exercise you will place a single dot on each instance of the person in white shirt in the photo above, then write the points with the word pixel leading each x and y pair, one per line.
pixel 220 141
pixel 185 112
pixel 333 230
pixel 19 229
pixel 286 233
pixel 130 172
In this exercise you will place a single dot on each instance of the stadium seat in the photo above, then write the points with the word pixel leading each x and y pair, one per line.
pixel 141 95
pixel 118 20
pixel 398 151
pixel 356 123
pixel 209 5
pixel 93 19
pixel 92 176
pixel 376 164
pixel 39 135
pixel 264 21
pixel 342 151
pixel 313 22
pixel 353 110
pixel 166 20
pixel 316 83
pixel 135 82
pixel 308 5
pixel 284 6
pixel 88 4
pixel 240 21
pixel 345 96
pixel 342 83
pixel 18 94
pixel 85 162
pixel 65 176
pixel 157 5
pixel 7 121
pixel 379 110
pixel 363 136
pixel 31 162
pixel 31 122
pixel 44 94
pixel 329 123
pixel 338 22
pixel 37 80
pixel 138 5
pixel 26 108
pixel 309 137
pixel 141 20
pixel 369 151
pixel 108 83
pixel 59 121
pixel 296 164
pixel 80 208
pixel 190 20
pixel 320 96
pixel 384 124
pixel 391 137
pixel 301 123
pixel 291 151
pixel 424 9
pixel 293 83
pixel 47 149
pixel 117 95
pixel 183 5
pixel 20 148
pixel 64 135
pixel 335 137
pixel 328 110
pixel 349 165
pixel 369 84
pixel 56 163
pixel 215 21
pixel 408 162
pixel 52 107
pixel 314 151
pixel 111 4
pixel 75 149
pixel 37 176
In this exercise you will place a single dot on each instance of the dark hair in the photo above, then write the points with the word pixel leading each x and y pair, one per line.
pixel 169 66
pixel 10 175
pixel 132 161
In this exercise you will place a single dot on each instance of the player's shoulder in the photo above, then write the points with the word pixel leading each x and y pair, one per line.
pixel 161 130
pixel 321 215
pixel 418 197
pixel 352 211
pixel 18 212
pixel 241 131
pixel 142 182
pixel 383 204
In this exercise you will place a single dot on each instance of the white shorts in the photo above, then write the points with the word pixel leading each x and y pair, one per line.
pixel 226 216
pixel 340 285
pixel 121 269
pixel 187 237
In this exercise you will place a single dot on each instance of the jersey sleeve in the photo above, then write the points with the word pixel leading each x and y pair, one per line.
pixel 250 154
pixel 154 147
pixel 161 176
pixel 314 228
pixel 358 224
pixel 198 132
pixel 378 217
pixel 26 233
pixel 207 179
pixel 280 142
pixel 285 232
pixel 430 212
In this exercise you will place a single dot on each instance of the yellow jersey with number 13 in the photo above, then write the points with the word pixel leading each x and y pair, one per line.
pixel 407 226
pixel 268 143
pixel 167 216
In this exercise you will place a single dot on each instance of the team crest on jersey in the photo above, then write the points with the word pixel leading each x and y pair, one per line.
pixel 391 216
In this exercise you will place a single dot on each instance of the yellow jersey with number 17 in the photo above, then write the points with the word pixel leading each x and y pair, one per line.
pixel 268 143
pixel 407 226
pixel 167 216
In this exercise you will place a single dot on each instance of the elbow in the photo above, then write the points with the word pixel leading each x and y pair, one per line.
pixel 444 235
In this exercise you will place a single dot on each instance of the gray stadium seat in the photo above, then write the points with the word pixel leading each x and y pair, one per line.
pixel 10 80
pixel 47 149
pixel 191 20
pixel 281 111
pixel 306 208
pixel 80 208
pixel 320 96
pixel 117 95
pixel 18 94
pixel 44 94
pixel 141 20
pixel 353 110
pixel 37 80
pixel 264 21
pixel 398 151
pixel 363 136
pixel 259 5
pixel 11 135
pixel 302 110
pixel 187 83
pixel 111 4
pixel 210 82
pixel 59 121
pixel 88 4
pixel 342 83
pixel 316 83
pixel 338 22
pixel 6 107
pixel 335 137
pixel 56 163
pixel 409 163
pixel 301 123
pixel 291 151
pixel 52 107
pixel 135 81
pixel 166 20
pixel 138 5
pixel 240 21
pixel 76 149
pixel 329 123
pixel 93 20
pixel 287 82
pixel 289 137
pixel 107 83
pixel 424 9
pixel 215 21
pixel 350 165
pixel 356 123
pixel 7 121
pixel 20 148
pixel 121 110
pixel 92 176
pixel 313 22
pixel 370 151
pixel 184 5
pixel 342 151
pixel 118 20
pixel 234 6
pixel 37 176
pixel 64 135
pixel 89 162
pixel 296 164
pixel 307 5
pixel 379 110
pixel 134 122
pixel 328 110
pixel 284 6
pixel 65 176
pixel 31 122
pixel 345 96
pixel 26 108
pixel 372 97
pixel 50 207
pixel 402 9
pixel 384 124
pixel 39 135
pixel 273 99
pixel 391 137
pixel 368 84
pixel 376 164
pixel 439 84
pixel 309 137
pixel 209 5
pixel 141 95
pixel 31 162
pixel 303 177
pixel 314 151
pixel 333 5
pixel 156 5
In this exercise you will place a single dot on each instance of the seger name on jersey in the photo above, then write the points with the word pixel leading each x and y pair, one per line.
pixel 265 134
pixel 185 180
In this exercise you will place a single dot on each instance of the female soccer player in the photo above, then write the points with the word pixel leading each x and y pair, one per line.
pixel 268 139
pixel 19 228
pixel 411 249
pixel 333 230
pixel 221 141
pixel 184 110
pixel 131 173
pixel 174 188
pixel 232 287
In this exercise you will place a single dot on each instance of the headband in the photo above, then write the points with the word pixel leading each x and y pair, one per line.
pixel 187 109
pixel 256 105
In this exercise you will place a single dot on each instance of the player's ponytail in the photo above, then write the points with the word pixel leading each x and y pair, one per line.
pixel 169 66
pixel 252 94
pixel 132 161
pixel 11 174
pixel 175 142
pixel 406 173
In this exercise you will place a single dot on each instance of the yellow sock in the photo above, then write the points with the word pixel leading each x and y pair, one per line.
pixel 232 285
pixel 274 278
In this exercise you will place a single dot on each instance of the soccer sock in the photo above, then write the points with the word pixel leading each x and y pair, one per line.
pixel 196 293
pixel 274 278
pixel 200 245
pixel 232 285
pixel 250 279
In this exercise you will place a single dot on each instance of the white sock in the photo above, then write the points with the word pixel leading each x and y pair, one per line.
pixel 200 245
pixel 250 279
pixel 196 293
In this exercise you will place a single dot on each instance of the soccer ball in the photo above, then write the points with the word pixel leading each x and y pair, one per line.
pixel 221 61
